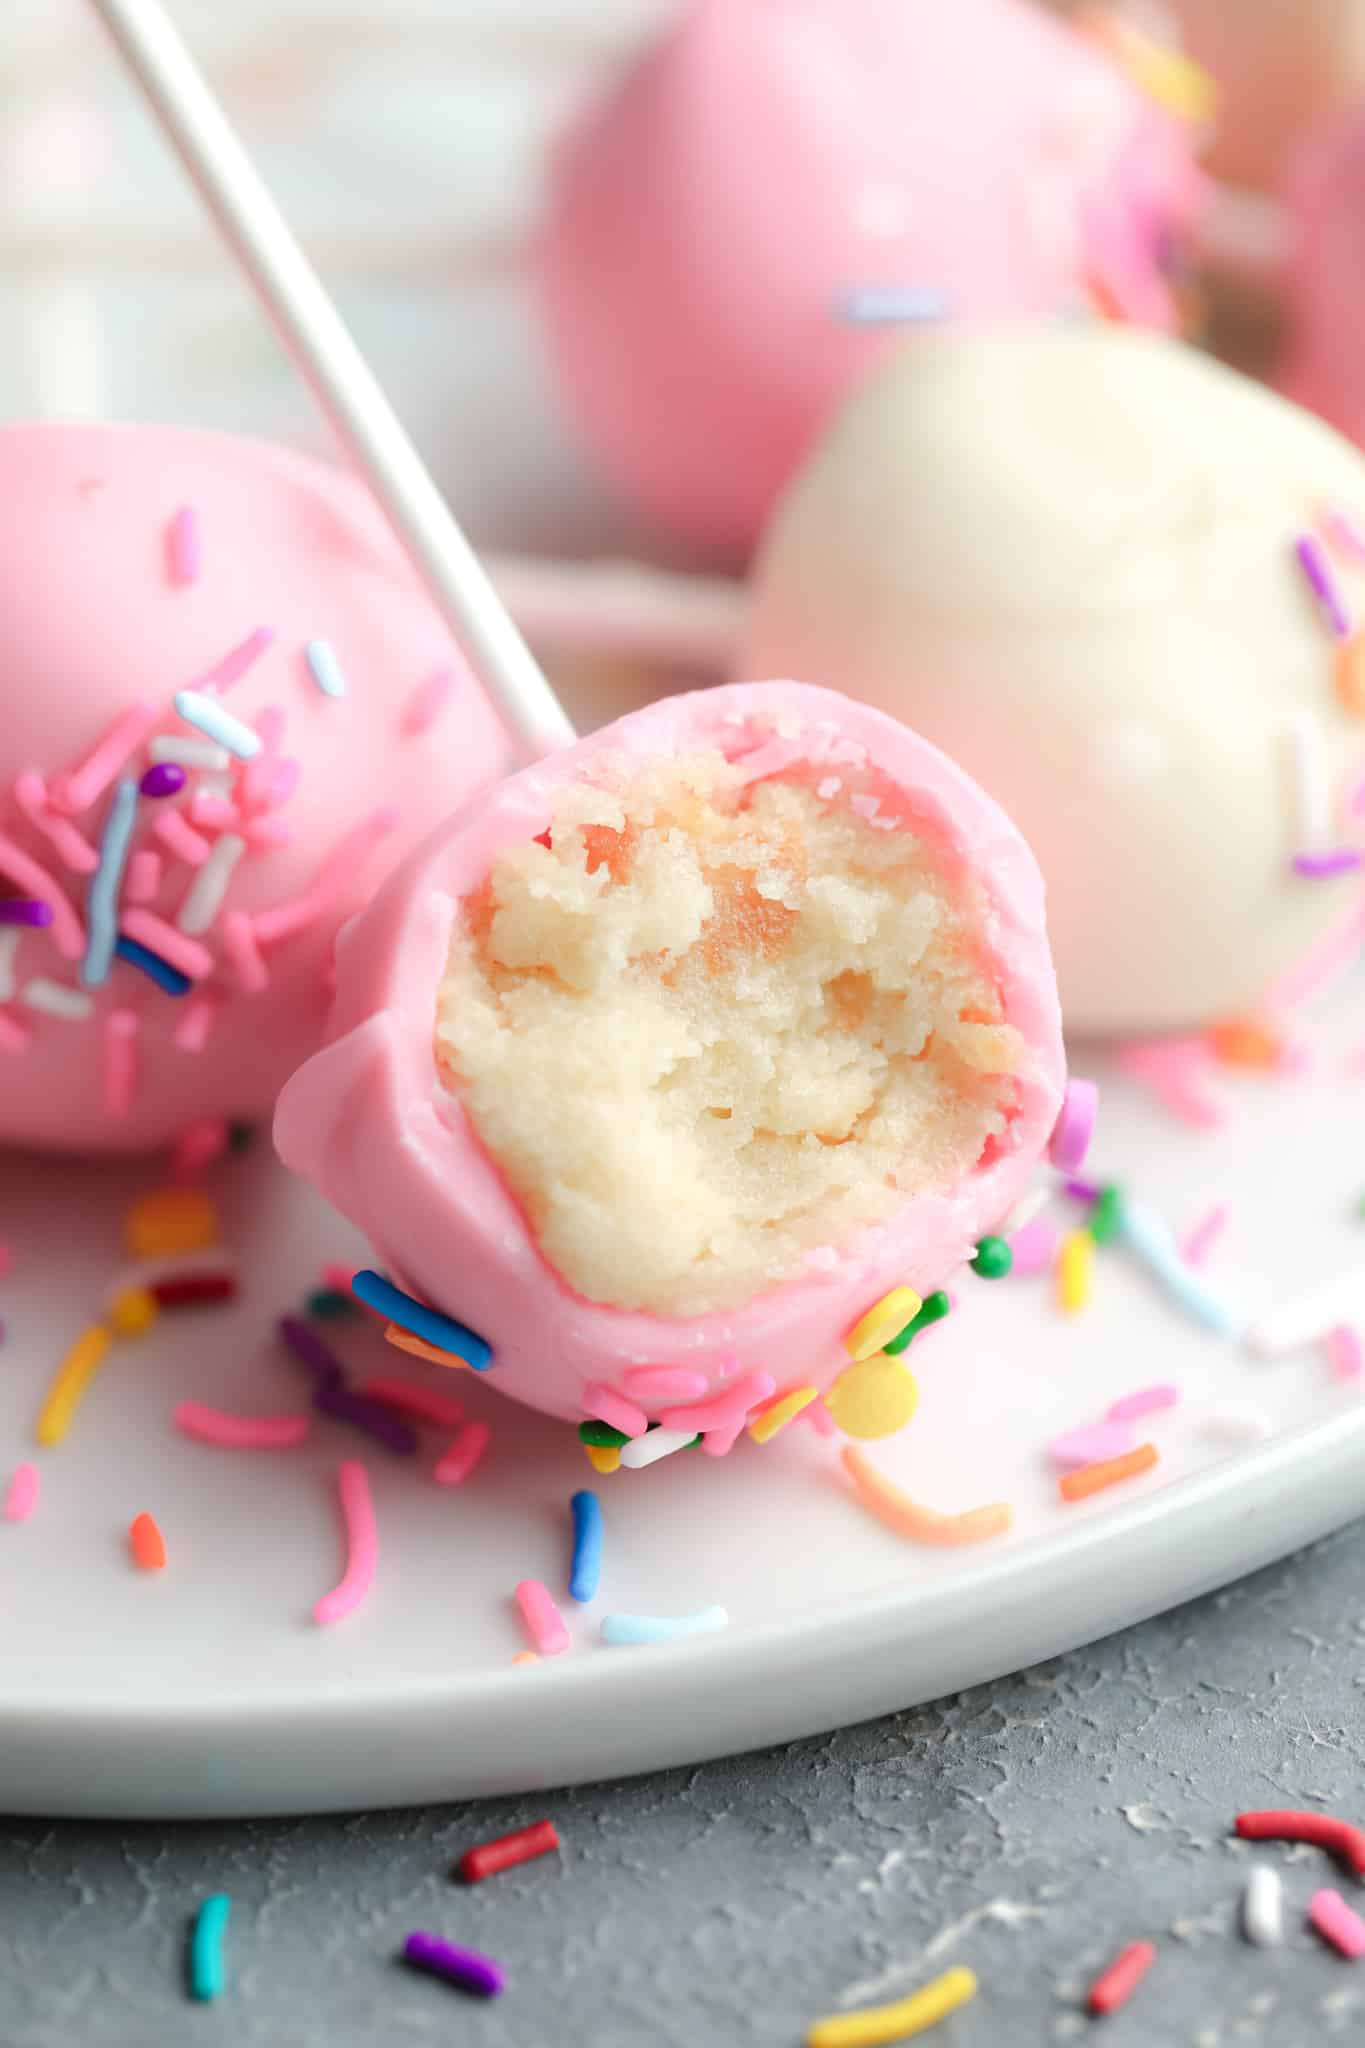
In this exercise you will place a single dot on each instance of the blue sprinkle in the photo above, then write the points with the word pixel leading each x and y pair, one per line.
pixel 427 1323
pixel 662 1628
pixel 160 971
pixel 326 669
pixel 586 1570
pixel 208 1974
pixel 1150 1237
pixel 885 305
pixel 105 883
pixel 208 716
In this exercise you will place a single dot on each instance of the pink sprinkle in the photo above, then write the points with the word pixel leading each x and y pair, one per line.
pixel 176 833
pixel 1323 964
pixel 410 1397
pixel 1075 1126
pixel 719 1441
pixel 14 1036
pixel 1331 1917
pixel 184 554
pixel 193 1031
pixel 185 953
pixel 1343 533
pixel 337 873
pixel 462 1455
pixel 1175 1070
pixel 239 943
pixel 1095 1444
pixel 73 848
pixel 67 930
pixel 266 834
pixel 665 1383
pixel 427 701
pixel 258 774
pixel 720 1412
pixel 603 1404
pixel 1034 1247
pixel 819 1418
pixel 1144 1402
pixel 241 1432
pixel 198 1146
pixel 279 786
pixel 76 792
pixel 143 879
pixel 22 1496
pixel 544 1622
pixel 1205 1235
pixel 215 813
pixel 1345 1353
pixel 6 1257
pixel 362 1548
pixel 236 661
pixel 121 1028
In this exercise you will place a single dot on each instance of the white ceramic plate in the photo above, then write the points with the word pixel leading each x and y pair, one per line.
pixel 207 1689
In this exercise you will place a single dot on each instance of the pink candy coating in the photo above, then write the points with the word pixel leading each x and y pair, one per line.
pixel 93 624
pixel 708 219
pixel 370 1122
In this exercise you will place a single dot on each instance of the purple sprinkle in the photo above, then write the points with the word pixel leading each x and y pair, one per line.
pixel 330 1397
pixel 237 661
pixel 184 555
pixel 310 1350
pixel 462 1966
pixel 1316 566
pixel 1145 1401
pixel 24 910
pixel 1083 1190
pixel 165 779
pixel 1318 865
pixel 1342 529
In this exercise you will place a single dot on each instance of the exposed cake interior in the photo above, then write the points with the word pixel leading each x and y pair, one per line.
pixel 713 1027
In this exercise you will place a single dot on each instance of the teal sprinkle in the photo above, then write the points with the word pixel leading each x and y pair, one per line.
pixel 326 1305
pixel 932 1310
pixel 208 1974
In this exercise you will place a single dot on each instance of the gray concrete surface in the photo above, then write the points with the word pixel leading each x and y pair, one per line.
pixel 1029 1828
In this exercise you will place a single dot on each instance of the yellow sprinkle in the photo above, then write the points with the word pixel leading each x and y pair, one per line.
pixel 1075 1267
pixel 526 1657
pixel 171 1220
pixel 604 1457
pixel 132 1311
pixel 882 1323
pixel 73 1376
pixel 779 1413
pixel 1166 75
pixel 873 1399
pixel 403 1340
pixel 880 2023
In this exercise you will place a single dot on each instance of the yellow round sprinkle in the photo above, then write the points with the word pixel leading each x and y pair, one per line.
pixel 873 1399
pixel 133 1310
pixel 604 1457
pixel 171 1220
pixel 73 1376
pixel 881 2023
pixel 779 1413
pixel 1075 1267
pixel 883 1322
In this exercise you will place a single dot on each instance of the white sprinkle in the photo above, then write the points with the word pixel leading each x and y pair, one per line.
pixel 1263 1907
pixel 1308 762
pixel 56 999
pixel 659 1443
pixel 217 723
pixel 187 753
pixel 1237 1425
pixel 326 670
pixel 1310 1317
pixel 204 897
pixel 1029 1205
pixel 9 946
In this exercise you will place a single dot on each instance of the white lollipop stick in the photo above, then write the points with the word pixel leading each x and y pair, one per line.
pixel 341 379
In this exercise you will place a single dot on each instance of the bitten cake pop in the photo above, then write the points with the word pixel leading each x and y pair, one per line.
pixel 1279 69
pixel 673 1056
pixel 1120 584
pixel 229 709
pixel 741 227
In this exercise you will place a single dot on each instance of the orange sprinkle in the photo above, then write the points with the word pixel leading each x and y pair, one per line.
pixel 405 1341
pixel 1351 676
pixel 1094 1478
pixel 923 1525
pixel 1244 1042
pixel 148 1544
pixel 526 1657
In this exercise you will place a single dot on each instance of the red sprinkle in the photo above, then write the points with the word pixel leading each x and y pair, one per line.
pixel 507 1850
pixel 1116 1985
pixel 1318 1828
pixel 188 1290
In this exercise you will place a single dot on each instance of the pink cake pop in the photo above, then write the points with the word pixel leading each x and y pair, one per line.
pixel 743 226
pixel 137 563
pixel 1280 70
pixel 646 1168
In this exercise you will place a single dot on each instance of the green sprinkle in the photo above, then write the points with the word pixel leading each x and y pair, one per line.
pixel 993 1258
pixel 602 1435
pixel 1106 1218
pixel 326 1304
pixel 932 1310
pixel 208 1974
